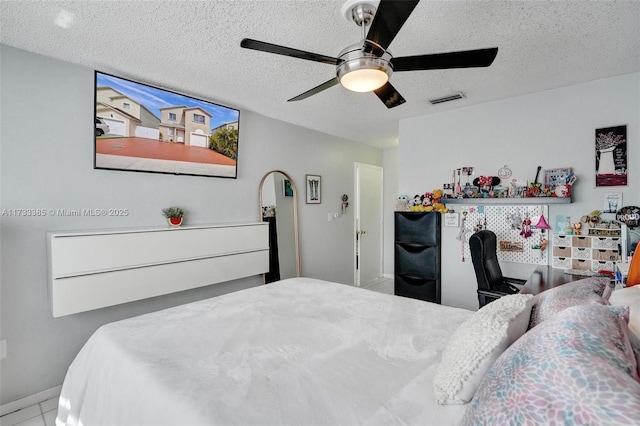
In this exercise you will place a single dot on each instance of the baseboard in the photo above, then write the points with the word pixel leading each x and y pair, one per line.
pixel 388 275
pixel 30 400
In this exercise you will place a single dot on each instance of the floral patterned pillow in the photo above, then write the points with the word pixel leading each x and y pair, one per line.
pixel 574 368
pixel 588 291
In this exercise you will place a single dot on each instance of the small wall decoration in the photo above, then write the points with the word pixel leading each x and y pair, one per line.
pixel 611 156
pixel 287 191
pixel 612 202
pixel 511 246
pixel 313 189
pixel 451 219
pixel 557 177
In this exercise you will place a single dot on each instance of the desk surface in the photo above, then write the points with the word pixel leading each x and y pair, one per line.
pixel 545 277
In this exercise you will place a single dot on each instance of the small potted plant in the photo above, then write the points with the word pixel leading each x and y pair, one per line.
pixel 173 215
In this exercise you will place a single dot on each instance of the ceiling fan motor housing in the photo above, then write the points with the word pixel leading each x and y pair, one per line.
pixel 363 57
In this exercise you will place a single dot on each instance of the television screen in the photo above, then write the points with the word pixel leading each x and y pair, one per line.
pixel 147 129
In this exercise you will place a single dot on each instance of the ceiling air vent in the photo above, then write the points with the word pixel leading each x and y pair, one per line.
pixel 449 98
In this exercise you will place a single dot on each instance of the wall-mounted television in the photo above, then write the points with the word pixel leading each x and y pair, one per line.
pixel 148 129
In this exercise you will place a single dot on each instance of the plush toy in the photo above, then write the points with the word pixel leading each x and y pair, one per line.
pixel 426 200
pixel 436 195
pixel 403 203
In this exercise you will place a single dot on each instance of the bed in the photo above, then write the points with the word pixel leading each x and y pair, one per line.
pixel 298 351
pixel 310 352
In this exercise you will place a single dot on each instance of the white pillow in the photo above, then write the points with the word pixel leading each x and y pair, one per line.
pixel 629 296
pixel 476 344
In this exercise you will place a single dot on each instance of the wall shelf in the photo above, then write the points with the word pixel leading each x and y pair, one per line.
pixel 506 201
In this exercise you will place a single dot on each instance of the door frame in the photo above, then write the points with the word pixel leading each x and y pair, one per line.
pixel 356 221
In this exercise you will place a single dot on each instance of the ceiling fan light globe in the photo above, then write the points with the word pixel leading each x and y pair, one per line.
pixel 364 80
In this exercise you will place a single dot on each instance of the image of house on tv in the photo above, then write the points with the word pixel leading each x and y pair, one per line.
pixel 125 116
pixel 188 125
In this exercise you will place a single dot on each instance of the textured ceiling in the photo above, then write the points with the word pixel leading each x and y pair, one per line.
pixel 194 47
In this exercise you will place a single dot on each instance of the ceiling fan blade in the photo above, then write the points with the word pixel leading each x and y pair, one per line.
pixel 262 46
pixel 317 89
pixel 439 61
pixel 390 17
pixel 389 96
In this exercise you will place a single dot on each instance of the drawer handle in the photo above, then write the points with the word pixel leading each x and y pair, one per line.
pixel 413 280
pixel 413 247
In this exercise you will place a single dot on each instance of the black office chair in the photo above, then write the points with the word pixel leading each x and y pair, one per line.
pixel 491 284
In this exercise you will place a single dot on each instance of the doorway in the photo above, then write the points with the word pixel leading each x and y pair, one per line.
pixel 368 224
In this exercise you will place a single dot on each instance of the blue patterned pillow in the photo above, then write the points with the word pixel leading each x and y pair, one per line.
pixel 574 368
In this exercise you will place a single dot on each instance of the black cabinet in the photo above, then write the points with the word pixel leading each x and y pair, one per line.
pixel 417 255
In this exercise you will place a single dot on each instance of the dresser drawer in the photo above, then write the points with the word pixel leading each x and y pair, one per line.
pixel 561 262
pixel 581 241
pixel 417 227
pixel 605 242
pixel 581 253
pixel 417 287
pixel 417 260
pixel 604 254
pixel 562 251
pixel 561 240
pixel 584 265
pixel 601 265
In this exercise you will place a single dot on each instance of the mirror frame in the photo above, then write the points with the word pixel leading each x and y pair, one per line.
pixel 295 214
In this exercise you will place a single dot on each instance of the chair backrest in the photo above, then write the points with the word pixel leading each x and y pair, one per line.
pixel 483 246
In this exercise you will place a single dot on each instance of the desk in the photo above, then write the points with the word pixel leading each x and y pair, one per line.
pixel 545 277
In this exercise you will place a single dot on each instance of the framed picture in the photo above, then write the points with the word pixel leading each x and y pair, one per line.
pixel 611 156
pixel 143 128
pixel 287 191
pixel 555 177
pixel 313 189
pixel 612 202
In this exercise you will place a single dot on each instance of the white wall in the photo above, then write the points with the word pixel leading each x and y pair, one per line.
pixel 47 162
pixel 552 129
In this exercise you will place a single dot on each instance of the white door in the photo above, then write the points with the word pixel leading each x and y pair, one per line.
pixel 368 223
pixel 180 135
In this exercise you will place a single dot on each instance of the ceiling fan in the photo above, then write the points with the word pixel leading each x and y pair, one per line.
pixel 367 66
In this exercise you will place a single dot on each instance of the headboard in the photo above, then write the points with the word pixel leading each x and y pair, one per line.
pixel 91 270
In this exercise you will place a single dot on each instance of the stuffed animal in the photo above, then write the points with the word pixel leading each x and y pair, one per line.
pixel 426 199
pixel 403 203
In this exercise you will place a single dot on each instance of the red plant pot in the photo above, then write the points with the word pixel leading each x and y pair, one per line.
pixel 175 221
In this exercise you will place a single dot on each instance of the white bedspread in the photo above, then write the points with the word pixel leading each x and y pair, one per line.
pixel 295 352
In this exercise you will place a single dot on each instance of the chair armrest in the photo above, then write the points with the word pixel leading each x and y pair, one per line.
pixel 516 281
pixel 492 293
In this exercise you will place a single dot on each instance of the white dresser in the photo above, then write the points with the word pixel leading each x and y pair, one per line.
pixel 95 269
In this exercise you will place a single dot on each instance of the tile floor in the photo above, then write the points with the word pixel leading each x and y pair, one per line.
pixel 382 285
pixel 42 414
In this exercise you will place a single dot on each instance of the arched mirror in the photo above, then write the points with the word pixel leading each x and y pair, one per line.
pixel 279 207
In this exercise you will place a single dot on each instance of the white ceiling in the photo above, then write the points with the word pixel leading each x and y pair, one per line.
pixel 193 47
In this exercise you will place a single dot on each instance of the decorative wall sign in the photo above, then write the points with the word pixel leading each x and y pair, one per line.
pixel 629 215
pixel 611 156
